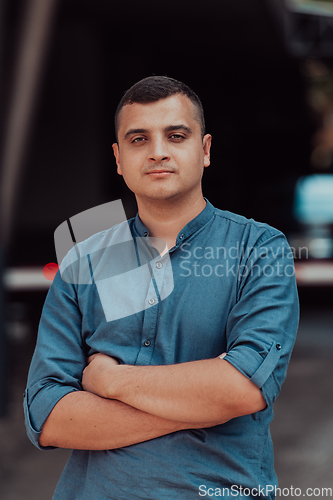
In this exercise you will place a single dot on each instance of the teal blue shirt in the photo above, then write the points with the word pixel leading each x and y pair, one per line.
pixel 228 285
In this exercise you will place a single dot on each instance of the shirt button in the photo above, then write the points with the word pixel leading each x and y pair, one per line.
pixel 278 346
pixel 145 233
pixel 147 343
pixel 151 301
pixel 159 265
pixel 181 236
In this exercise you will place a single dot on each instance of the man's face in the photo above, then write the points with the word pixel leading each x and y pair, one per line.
pixel 160 151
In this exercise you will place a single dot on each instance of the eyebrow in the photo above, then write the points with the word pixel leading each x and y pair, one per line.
pixel 132 131
pixel 170 128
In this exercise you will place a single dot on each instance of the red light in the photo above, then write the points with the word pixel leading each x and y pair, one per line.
pixel 50 270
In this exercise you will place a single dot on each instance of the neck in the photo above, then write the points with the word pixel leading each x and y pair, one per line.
pixel 164 219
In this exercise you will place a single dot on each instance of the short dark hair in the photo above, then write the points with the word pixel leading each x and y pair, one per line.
pixel 154 88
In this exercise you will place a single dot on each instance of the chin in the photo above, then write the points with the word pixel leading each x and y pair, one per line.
pixel 163 196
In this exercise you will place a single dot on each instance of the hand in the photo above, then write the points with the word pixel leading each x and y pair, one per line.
pixel 98 376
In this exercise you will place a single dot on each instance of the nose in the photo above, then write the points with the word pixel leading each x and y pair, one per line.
pixel 159 151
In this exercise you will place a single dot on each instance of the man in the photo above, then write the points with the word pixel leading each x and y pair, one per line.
pixel 173 401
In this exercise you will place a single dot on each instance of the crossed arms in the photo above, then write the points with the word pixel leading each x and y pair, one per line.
pixel 123 405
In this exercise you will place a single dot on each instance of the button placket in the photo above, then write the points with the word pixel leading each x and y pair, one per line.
pixel 148 335
pixel 158 269
pixel 151 298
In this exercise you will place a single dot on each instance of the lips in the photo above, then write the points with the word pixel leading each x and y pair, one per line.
pixel 160 172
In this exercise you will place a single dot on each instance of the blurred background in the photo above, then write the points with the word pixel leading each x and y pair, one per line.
pixel 264 72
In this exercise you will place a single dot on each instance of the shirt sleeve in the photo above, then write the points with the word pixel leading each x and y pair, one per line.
pixel 262 325
pixel 59 357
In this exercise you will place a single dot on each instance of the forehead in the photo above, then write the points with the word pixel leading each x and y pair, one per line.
pixel 172 110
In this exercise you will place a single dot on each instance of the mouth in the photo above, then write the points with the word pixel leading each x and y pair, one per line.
pixel 159 173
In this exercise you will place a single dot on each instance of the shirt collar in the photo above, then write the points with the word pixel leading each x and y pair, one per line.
pixel 191 227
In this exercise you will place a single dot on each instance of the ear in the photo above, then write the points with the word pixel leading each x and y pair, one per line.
pixel 206 143
pixel 116 153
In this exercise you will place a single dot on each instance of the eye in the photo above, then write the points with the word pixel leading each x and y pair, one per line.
pixel 138 140
pixel 177 137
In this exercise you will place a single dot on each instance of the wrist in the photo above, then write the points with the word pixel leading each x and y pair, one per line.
pixel 120 386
